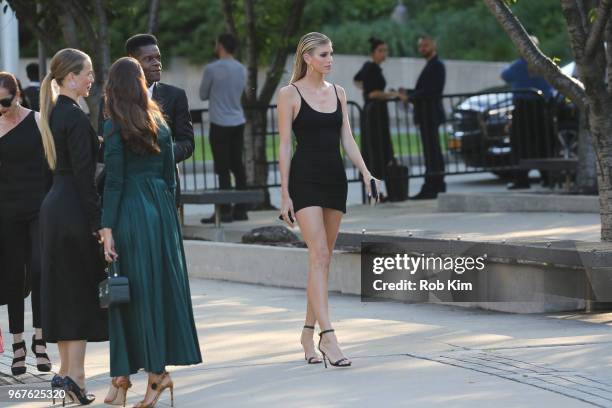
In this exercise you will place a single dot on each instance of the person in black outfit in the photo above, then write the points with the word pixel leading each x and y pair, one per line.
pixel 429 115
pixel 171 99
pixel 72 266
pixel 375 132
pixel 33 90
pixel 313 182
pixel 24 177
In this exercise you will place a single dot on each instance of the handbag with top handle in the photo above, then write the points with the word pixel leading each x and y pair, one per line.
pixel 115 289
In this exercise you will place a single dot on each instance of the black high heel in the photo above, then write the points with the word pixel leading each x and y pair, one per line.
pixel 19 370
pixel 45 367
pixel 313 359
pixel 57 382
pixel 339 363
pixel 76 393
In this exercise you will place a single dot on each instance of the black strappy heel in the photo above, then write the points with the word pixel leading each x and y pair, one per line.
pixel 313 359
pixel 75 393
pixel 45 367
pixel 19 370
pixel 343 362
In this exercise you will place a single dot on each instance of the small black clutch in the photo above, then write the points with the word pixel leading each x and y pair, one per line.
pixel 115 289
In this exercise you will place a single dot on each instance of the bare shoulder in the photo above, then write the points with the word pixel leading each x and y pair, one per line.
pixel 287 93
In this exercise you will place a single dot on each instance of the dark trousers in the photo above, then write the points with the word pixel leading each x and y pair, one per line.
pixel 21 264
pixel 227 144
pixel 434 162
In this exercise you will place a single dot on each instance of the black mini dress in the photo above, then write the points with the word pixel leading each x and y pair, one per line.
pixel 317 177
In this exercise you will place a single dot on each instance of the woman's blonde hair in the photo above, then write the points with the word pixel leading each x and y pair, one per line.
pixel 63 62
pixel 307 44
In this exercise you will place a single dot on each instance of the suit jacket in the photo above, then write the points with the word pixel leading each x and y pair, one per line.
pixel 173 103
pixel 427 94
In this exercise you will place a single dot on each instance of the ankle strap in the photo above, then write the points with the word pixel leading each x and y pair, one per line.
pixel 20 345
pixel 309 327
pixel 326 331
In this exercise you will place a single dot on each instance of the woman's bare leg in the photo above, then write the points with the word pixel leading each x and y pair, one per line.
pixel 318 237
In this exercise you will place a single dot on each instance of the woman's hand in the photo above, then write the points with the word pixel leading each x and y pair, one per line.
pixel 366 179
pixel 106 235
pixel 286 210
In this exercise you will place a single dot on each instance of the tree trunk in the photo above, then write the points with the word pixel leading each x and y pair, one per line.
pixel 256 162
pixel 153 17
pixel 586 176
pixel 601 127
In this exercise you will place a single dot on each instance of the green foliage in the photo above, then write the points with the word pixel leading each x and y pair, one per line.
pixel 464 28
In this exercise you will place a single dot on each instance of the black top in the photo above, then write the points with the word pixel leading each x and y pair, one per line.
pixel 76 146
pixel 372 77
pixel 24 175
pixel 317 156
pixel 32 94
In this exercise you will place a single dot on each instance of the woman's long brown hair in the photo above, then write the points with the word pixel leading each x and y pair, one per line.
pixel 128 105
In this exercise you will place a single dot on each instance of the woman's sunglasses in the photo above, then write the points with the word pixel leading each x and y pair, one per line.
pixel 6 102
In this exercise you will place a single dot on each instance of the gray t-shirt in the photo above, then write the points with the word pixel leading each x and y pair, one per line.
pixel 223 83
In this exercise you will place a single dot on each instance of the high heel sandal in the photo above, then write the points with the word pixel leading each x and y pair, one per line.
pixel 21 369
pixel 121 387
pixel 76 393
pixel 57 382
pixel 338 363
pixel 159 387
pixel 45 367
pixel 312 359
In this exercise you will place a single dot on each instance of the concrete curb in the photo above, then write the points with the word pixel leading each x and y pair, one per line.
pixel 268 265
pixel 513 202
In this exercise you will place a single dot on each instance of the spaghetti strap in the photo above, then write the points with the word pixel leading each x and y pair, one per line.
pixel 336 90
pixel 298 89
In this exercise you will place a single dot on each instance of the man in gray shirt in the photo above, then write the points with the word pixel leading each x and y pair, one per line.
pixel 223 83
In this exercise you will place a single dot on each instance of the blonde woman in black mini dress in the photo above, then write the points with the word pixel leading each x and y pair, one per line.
pixel 313 181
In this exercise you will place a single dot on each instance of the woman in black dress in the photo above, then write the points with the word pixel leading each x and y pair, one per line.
pixel 313 182
pixel 70 221
pixel 23 183
pixel 375 133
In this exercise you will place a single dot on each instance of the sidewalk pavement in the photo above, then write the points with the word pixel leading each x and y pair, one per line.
pixel 422 219
pixel 404 355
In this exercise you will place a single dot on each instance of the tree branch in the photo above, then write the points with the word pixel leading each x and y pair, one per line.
pixel 572 11
pixel 597 29
pixel 275 72
pixel 31 20
pixel 537 61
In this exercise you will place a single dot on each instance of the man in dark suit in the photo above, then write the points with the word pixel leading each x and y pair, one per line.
pixel 171 100
pixel 33 90
pixel 429 115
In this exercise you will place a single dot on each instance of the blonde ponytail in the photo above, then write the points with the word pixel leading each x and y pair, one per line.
pixel 47 102
pixel 307 44
pixel 63 62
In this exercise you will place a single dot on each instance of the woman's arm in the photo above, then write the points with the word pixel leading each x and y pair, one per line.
pixel 382 95
pixel 113 185
pixel 350 146
pixel 286 98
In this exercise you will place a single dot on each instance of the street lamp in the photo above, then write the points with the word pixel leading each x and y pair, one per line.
pixel 400 13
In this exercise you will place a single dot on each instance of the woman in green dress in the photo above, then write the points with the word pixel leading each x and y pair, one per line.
pixel 141 233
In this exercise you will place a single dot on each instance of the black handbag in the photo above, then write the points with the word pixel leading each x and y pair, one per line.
pixel 115 289
pixel 396 181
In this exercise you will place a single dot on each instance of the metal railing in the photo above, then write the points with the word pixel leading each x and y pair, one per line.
pixel 477 132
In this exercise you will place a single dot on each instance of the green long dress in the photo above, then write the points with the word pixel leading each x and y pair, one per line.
pixel 157 327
